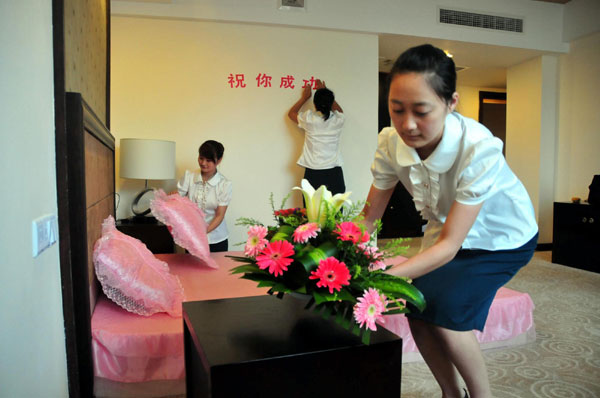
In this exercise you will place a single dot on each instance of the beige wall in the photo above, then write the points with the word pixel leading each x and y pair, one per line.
pixel 552 126
pixel 531 131
pixel 32 346
pixel 523 123
pixel 578 141
pixel 169 81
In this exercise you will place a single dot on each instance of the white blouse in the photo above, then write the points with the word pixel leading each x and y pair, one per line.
pixel 468 167
pixel 208 196
pixel 322 140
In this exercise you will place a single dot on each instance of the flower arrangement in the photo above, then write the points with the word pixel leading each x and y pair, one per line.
pixel 322 251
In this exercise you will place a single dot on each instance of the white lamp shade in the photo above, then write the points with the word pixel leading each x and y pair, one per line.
pixel 147 159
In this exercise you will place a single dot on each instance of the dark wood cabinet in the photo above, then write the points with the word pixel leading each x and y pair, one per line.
pixel 576 235
pixel 154 234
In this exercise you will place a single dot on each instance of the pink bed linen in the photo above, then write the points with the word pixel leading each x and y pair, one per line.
pixel 132 348
pixel 511 314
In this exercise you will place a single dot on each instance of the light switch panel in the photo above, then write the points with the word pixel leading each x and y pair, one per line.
pixel 44 233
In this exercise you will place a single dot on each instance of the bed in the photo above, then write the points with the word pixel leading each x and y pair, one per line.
pixel 143 357
pixel 121 354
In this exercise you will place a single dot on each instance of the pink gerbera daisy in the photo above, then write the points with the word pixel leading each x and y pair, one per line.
pixel 370 308
pixel 256 240
pixel 332 274
pixel 306 231
pixel 275 257
pixel 349 231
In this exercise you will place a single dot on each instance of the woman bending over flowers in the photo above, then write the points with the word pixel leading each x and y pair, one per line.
pixel 481 225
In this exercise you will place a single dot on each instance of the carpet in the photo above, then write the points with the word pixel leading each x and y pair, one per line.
pixel 563 362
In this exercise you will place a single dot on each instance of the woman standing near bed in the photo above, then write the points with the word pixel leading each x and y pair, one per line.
pixel 481 226
pixel 211 191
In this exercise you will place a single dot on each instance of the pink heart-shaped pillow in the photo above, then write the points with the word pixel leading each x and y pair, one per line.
pixel 186 223
pixel 132 277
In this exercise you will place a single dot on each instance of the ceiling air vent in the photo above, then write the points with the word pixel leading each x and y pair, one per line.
pixel 292 3
pixel 484 21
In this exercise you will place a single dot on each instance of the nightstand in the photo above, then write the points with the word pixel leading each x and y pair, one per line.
pixel 155 235
pixel 576 235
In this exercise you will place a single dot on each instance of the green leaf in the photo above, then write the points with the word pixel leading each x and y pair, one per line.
pixel 242 259
pixel 279 287
pixel 366 336
pixel 247 268
pixel 258 277
pixel 399 288
pixel 319 298
pixel 339 316
pixel 283 233
pixel 345 295
pixel 310 259
pixel 266 284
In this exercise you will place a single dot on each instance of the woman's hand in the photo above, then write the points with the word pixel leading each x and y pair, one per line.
pixel 454 231
pixel 293 112
pixel 319 84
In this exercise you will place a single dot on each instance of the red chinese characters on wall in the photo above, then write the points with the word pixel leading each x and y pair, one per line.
pixel 263 80
pixel 236 81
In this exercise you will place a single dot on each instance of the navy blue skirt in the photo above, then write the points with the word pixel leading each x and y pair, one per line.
pixel 460 293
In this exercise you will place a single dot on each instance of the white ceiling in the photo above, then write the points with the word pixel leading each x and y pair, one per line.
pixel 485 64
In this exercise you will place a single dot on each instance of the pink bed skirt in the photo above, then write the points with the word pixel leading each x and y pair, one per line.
pixel 131 348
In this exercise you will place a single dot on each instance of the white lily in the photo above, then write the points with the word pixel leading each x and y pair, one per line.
pixel 318 201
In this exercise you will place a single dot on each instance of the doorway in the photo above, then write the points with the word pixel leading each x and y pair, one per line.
pixel 492 114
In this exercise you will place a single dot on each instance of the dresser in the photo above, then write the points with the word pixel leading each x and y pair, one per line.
pixel 576 235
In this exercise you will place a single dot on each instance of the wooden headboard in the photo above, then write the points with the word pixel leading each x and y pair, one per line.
pixel 91 198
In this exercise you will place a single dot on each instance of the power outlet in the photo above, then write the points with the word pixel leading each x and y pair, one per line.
pixel 44 232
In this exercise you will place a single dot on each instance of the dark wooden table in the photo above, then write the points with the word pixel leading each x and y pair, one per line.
pixel 268 347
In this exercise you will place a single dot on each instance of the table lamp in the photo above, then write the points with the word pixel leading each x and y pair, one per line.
pixel 146 159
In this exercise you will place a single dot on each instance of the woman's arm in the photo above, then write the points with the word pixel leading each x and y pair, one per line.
pixel 458 223
pixel 337 107
pixel 183 185
pixel 293 112
pixel 377 201
pixel 217 219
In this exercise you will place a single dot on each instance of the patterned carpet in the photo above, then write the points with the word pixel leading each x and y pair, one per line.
pixel 563 362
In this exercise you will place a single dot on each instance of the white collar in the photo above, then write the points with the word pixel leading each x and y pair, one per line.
pixel 214 180
pixel 444 155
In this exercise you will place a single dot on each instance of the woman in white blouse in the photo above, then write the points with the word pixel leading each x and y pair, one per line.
pixel 321 156
pixel 481 226
pixel 211 191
